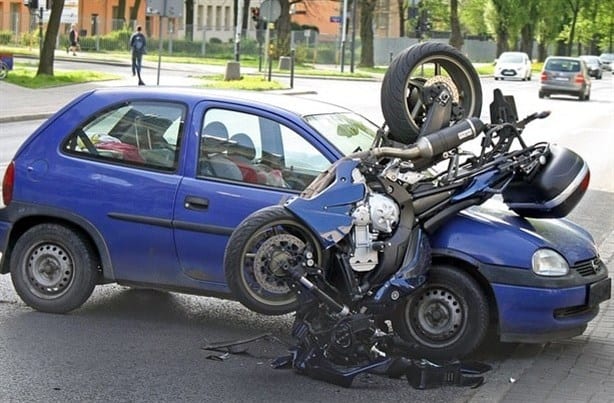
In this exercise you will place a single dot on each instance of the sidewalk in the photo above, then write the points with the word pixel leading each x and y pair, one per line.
pixel 19 103
pixel 573 370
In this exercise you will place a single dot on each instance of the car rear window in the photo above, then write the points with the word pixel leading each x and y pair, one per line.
pixel 572 66
pixel 144 134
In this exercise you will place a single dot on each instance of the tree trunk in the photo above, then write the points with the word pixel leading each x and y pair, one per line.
pixel 283 28
pixel 189 20
pixel 367 7
pixel 502 38
pixel 542 51
pixel 45 64
pixel 401 5
pixel 526 39
pixel 456 38
pixel 575 8
pixel 121 11
pixel 134 12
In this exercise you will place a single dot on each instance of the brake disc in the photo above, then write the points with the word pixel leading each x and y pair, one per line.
pixel 273 259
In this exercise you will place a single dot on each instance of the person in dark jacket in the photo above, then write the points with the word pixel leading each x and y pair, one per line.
pixel 138 47
pixel 73 40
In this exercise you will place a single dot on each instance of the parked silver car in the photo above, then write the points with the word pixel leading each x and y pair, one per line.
pixel 566 76
pixel 594 66
pixel 607 60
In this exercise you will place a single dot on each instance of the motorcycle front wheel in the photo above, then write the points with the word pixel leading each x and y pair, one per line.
pixel 424 65
pixel 258 254
pixel 447 318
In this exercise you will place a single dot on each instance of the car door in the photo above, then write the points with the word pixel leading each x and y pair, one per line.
pixel 243 159
pixel 125 163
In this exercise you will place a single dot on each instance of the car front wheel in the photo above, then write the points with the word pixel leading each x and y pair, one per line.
pixel 53 268
pixel 446 318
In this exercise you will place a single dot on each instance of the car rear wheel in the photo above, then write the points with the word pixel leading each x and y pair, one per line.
pixel 447 317
pixel 53 268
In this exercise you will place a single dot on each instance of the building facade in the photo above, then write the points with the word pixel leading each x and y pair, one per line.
pixel 212 18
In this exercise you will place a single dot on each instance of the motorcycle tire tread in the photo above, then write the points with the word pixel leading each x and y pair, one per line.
pixel 394 85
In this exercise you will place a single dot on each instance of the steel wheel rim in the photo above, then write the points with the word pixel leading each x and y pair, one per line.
pixel 437 317
pixel 49 270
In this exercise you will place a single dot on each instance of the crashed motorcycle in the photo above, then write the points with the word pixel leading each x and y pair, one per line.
pixel 352 249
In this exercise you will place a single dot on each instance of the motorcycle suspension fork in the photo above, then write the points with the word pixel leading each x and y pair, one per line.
pixel 299 276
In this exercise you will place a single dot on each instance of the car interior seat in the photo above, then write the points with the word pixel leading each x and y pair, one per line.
pixel 243 152
pixel 214 159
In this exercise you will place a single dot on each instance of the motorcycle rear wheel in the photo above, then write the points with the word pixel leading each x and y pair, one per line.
pixel 446 318
pixel 406 77
pixel 257 255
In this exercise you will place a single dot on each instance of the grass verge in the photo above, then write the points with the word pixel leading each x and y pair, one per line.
pixel 251 83
pixel 25 76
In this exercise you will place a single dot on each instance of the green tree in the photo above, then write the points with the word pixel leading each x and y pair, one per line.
pixel 45 63
pixel 473 15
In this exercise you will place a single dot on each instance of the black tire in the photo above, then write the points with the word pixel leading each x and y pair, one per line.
pixel 541 94
pixel 53 268
pixel 404 81
pixel 447 318
pixel 256 254
pixel 4 71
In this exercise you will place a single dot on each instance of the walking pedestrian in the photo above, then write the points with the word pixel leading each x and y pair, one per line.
pixel 73 39
pixel 138 46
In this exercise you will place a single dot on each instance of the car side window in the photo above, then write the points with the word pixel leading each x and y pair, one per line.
pixel 255 150
pixel 143 134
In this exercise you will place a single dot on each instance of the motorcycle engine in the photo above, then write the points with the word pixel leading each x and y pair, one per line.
pixel 378 214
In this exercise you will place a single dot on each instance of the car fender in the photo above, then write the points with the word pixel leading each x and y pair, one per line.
pixel 502 238
pixel 25 215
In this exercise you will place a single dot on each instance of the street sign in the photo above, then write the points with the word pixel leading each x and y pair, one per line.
pixel 270 10
pixel 335 18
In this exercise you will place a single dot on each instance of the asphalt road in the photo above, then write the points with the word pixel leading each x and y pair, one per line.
pixel 141 345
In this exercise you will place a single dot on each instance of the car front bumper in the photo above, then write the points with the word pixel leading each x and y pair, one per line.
pixel 536 315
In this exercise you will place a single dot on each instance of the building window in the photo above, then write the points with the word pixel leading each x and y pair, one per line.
pixel 227 16
pixel 15 17
pixel 209 16
pixel 200 16
pixel 218 17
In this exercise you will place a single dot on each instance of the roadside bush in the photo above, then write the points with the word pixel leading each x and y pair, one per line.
pixel 30 39
pixel 5 37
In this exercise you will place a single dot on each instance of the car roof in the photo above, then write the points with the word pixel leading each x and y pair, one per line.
pixel 281 103
pixel 563 58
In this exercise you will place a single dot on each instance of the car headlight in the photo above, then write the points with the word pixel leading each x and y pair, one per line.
pixel 546 262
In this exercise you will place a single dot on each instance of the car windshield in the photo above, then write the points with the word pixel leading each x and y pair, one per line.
pixel 607 56
pixel 347 131
pixel 510 58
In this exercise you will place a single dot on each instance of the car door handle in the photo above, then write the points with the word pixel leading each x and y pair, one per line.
pixel 196 203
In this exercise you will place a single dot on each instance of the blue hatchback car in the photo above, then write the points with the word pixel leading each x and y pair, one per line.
pixel 143 187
